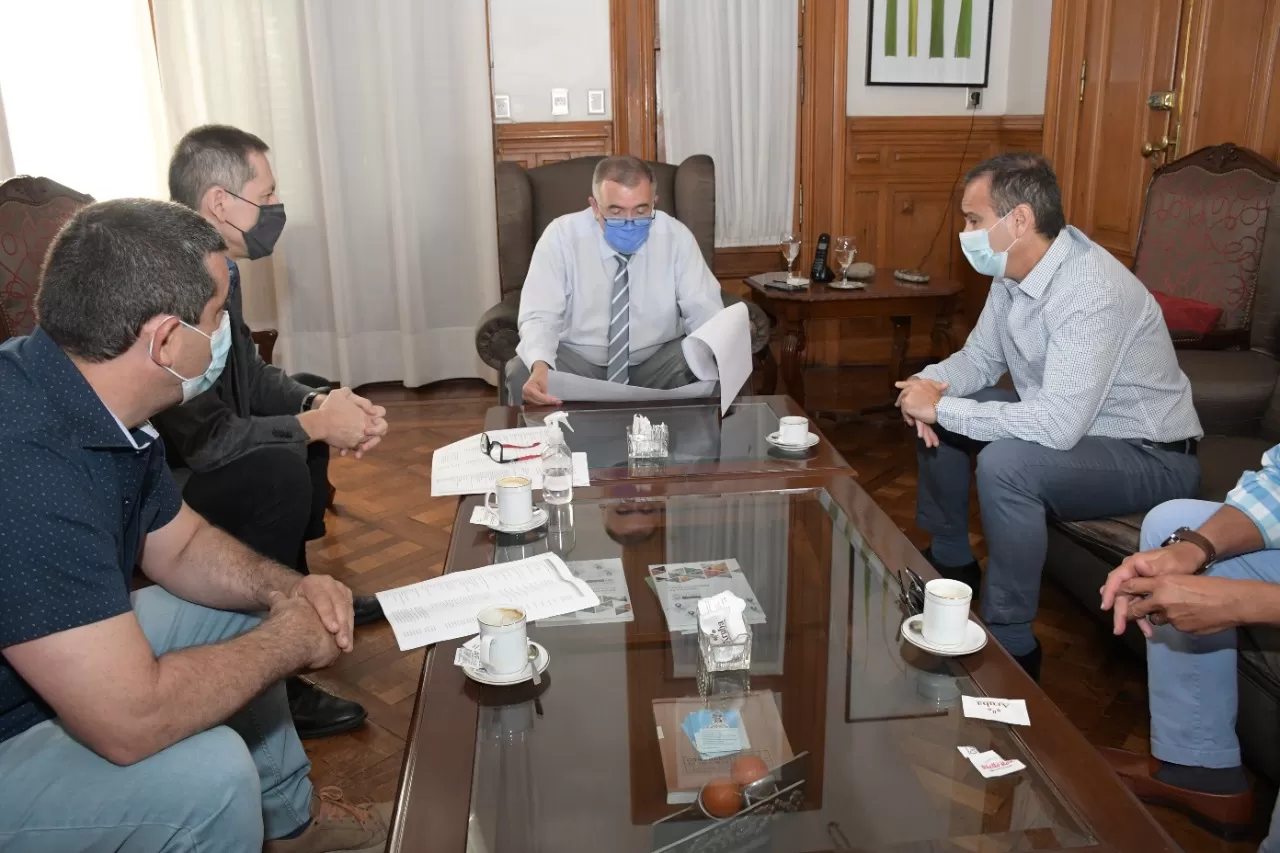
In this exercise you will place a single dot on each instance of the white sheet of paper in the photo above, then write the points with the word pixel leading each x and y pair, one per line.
pixel 461 468
pixel 1012 711
pixel 989 763
pixel 571 388
pixel 445 608
pixel 721 349
pixel 717 741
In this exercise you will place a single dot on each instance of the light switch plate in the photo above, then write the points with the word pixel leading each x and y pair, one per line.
pixel 502 106
pixel 559 102
pixel 595 102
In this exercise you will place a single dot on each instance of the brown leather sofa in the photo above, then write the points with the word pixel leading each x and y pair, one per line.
pixel 529 199
pixel 1211 231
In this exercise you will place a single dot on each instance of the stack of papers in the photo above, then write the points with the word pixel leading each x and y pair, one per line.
pixel 462 468
pixel 609 583
pixel 445 608
pixel 720 350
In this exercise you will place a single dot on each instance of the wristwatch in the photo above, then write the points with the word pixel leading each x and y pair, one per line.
pixel 309 400
pixel 1186 534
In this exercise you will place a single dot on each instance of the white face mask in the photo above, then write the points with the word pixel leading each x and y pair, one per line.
pixel 977 248
pixel 219 344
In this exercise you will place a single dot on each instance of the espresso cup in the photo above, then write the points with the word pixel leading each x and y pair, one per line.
pixel 504 644
pixel 793 430
pixel 946 612
pixel 513 499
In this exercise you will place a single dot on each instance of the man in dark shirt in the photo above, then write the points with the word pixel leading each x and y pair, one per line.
pixel 157 720
pixel 254 448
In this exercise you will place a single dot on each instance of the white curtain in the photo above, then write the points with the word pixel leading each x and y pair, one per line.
pixel 81 96
pixel 729 89
pixel 377 114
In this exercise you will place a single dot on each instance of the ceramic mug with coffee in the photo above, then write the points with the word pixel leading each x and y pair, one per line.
pixel 512 498
pixel 793 430
pixel 946 612
pixel 504 642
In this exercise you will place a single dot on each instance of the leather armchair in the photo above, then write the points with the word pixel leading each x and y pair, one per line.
pixel 529 199
pixel 32 212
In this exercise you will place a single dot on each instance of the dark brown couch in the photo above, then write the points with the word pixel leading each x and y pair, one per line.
pixel 529 199
pixel 1211 231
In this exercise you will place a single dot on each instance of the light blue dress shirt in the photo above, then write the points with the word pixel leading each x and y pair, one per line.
pixel 567 292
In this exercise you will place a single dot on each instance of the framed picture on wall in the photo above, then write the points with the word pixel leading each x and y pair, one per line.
pixel 929 42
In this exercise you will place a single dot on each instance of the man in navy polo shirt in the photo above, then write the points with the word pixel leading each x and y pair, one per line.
pixel 157 721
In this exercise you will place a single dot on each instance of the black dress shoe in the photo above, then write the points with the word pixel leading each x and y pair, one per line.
pixel 1031 662
pixel 318 713
pixel 368 609
pixel 970 574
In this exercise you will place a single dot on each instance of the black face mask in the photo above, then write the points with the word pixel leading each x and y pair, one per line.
pixel 261 239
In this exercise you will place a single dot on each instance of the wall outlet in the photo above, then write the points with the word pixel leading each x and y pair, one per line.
pixel 595 102
pixel 502 107
pixel 973 99
pixel 559 102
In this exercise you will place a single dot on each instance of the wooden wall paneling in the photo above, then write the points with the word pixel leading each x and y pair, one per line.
pixel 904 181
pixel 538 143
pixel 1231 63
pixel 825 57
pixel 1063 93
pixel 734 263
pixel 633 26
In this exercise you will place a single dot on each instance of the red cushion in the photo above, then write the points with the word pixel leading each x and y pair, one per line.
pixel 1188 315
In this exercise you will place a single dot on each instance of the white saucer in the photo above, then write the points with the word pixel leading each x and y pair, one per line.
pixel 974 638
pixel 852 285
pixel 535 521
pixel 773 439
pixel 479 674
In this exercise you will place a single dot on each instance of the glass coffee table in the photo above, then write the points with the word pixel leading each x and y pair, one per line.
pixel 701 441
pixel 860 729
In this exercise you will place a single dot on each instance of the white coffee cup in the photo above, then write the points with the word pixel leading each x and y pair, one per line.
pixel 793 429
pixel 946 612
pixel 513 499
pixel 504 644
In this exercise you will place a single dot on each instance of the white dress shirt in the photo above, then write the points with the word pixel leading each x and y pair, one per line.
pixel 1088 351
pixel 567 293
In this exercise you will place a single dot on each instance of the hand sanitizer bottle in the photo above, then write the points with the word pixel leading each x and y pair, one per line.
pixel 557 462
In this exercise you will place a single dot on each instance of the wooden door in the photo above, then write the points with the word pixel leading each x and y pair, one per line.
pixel 1111 55
pixel 1230 93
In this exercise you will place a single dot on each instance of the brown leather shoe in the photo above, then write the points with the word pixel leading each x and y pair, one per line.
pixel 338 826
pixel 1229 816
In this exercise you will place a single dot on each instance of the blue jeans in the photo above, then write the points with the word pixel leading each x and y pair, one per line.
pixel 1192 680
pixel 222 789
pixel 1021 482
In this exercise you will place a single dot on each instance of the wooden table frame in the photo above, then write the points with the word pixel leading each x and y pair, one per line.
pixel 884 296
pixel 434 797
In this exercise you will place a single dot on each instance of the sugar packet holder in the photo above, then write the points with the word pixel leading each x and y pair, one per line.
pixel 724 639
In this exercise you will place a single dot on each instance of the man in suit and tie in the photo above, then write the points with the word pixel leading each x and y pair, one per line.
pixel 612 290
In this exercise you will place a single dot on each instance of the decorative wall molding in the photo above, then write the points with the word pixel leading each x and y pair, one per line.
pixel 538 143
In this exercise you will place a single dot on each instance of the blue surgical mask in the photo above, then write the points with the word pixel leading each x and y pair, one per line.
pixel 977 248
pixel 219 345
pixel 627 235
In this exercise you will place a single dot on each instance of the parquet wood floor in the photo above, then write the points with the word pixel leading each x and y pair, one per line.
pixel 386 530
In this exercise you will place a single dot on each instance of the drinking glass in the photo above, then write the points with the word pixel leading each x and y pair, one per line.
pixel 845 251
pixel 790 244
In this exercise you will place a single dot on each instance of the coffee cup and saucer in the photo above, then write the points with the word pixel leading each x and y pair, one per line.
pixel 508 507
pixel 793 434
pixel 505 654
pixel 945 629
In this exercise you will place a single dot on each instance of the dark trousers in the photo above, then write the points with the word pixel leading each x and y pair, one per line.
pixel 1021 482
pixel 272 499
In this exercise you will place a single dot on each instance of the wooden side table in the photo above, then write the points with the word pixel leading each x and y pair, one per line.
pixel 884 296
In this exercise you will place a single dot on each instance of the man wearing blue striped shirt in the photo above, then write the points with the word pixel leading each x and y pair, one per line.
pixel 1100 422
pixel 1205 569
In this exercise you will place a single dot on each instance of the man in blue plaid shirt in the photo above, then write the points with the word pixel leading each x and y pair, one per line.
pixel 1205 569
